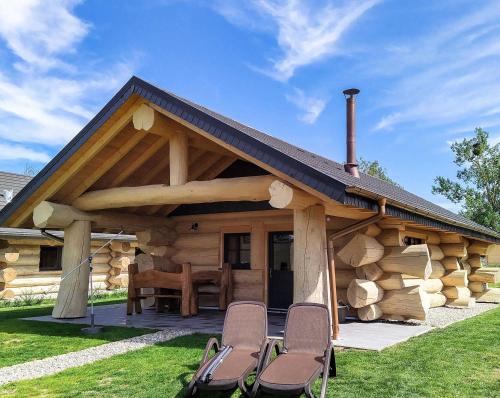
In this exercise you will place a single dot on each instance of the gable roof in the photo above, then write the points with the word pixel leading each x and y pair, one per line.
pixel 11 182
pixel 321 174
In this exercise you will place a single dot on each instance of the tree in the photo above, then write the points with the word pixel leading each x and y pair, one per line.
pixel 478 185
pixel 373 168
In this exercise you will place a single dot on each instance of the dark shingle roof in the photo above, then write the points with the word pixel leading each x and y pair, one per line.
pixel 11 182
pixel 321 174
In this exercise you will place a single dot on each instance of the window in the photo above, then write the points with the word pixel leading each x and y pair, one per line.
pixel 50 258
pixel 237 250
pixel 409 240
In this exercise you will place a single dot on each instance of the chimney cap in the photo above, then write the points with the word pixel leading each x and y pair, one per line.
pixel 351 92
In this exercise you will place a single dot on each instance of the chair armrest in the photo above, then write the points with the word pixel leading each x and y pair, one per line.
pixel 212 343
pixel 262 355
pixel 273 344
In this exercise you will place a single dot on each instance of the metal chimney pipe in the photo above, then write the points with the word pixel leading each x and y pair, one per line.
pixel 351 165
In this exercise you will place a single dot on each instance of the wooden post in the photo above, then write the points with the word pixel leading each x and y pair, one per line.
pixel 178 159
pixel 333 291
pixel 73 291
pixel 310 270
pixel 187 285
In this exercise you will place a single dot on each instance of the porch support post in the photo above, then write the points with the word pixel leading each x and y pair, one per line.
pixel 310 268
pixel 73 291
pixel 179 159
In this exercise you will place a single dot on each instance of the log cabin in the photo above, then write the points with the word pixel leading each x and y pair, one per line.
pixel 31 258
pixel 198 187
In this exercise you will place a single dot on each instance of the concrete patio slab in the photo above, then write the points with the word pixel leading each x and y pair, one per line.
pixel 368 336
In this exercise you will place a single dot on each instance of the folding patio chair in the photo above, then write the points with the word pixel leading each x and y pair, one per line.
pixel 305 356
pixel 244 344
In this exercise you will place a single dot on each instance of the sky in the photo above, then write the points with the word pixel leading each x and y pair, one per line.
pixel 428 72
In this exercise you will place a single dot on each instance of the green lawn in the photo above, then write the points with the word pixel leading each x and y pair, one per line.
pixel 22 341
pixel 462 360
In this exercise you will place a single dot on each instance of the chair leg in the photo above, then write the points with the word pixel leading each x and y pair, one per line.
pixel 192 390
pixel 308 392
pixel 333 365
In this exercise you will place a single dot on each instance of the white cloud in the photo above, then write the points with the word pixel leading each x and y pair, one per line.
pixel 36 31
pixel 448 78
pixel 16 152
pixel 306 33
pixel 311 106
pixel 49 90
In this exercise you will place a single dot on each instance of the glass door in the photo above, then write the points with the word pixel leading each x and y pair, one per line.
pixel 280 286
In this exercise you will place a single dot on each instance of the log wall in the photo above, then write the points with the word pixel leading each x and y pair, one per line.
pixel 23 277
pixel 382 277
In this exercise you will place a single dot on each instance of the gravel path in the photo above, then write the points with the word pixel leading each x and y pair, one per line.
pixel 56 364
pixel 441 317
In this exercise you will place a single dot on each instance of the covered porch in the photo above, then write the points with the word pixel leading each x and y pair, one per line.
pixel 373 336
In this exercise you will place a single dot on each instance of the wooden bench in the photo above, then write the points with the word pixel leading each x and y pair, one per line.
pixel 212 282
pixel 185 286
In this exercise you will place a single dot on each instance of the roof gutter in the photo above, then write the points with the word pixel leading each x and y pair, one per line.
pixel 331 263
pixel 371 195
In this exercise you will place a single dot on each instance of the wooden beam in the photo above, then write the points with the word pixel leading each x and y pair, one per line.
pixel 66 173
pixel 103 167
pixel 147 119
pixel 179 162
pixel 284 196
pixel 54 215
pixel 212 171
pixel 223 189
pixel 139 161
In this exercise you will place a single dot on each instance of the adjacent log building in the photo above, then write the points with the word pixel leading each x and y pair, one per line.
pixel 30 263
pixel 198 187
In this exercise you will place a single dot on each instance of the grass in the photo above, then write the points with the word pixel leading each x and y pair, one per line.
pixel 462 360
pixel 22 341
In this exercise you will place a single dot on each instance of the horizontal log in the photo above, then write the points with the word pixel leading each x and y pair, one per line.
pixel 438 269
pixel 158 251
pixel 7 274
pixel 7 294
pixel 412 260
pixel 362 292
pixel 55 215
pixel 26 260
pixel 247 277
pixel 371 230
pixel 156 236
pixel 453 292
pixel 411 302
pixel 9 255
pixel 395 281
pixel 391 237
pixel 453 238
pixel 435 252
pixel 432 285
pixel 238 189
pixel 487 275
pixel 29 269
pixel 455 278
pixel 4 244
pixel 343 277
pixel 361 250
pixel 198 241
pixel 450 263
pixel 284 196
pixel 371 272
pixel 491 295
pixel 27 250
pixel 436 299
pixel 477 287
pixel 45 280
pixel 342 296
pixel 370 312
pixel 478 247
pixel 454 249
pixel 121 263
pixel 120 247
pixel 461 303
pixel 253 293
pixel 339 264
pixel 475 261
pixel 197 256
